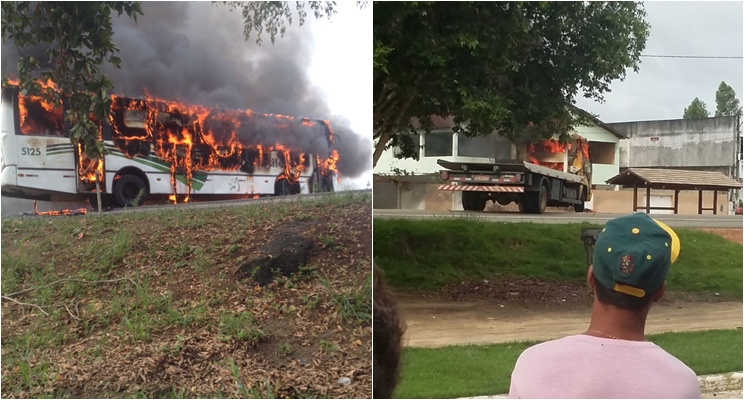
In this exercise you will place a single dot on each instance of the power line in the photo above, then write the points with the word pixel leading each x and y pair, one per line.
pixel 699 57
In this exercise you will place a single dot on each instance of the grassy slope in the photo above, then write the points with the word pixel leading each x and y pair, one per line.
pixel 424 255
pixel 180 325
pixel 459 371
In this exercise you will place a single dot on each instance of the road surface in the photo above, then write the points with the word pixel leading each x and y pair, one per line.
pixel 439 323
pixel 676 221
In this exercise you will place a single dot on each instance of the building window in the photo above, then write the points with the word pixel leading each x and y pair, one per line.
pixel 415 143
pixel 602 153
pixel 437 144
pixel 478 146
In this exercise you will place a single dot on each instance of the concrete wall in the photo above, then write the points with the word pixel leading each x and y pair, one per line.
pixel 427 196
pixel 385 195
pixel 707 142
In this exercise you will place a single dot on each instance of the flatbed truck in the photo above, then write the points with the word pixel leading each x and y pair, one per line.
pixel 533 187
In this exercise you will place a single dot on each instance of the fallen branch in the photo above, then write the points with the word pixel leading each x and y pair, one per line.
pixel 25 304
pixel 8 296
pixel 70 312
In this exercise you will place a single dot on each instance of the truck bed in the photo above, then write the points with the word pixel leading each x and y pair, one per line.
pixel 510 166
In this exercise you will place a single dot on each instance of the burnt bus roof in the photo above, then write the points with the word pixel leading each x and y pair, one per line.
pixel 183 110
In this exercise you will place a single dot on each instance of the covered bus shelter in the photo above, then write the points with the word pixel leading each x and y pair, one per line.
pixel 673 179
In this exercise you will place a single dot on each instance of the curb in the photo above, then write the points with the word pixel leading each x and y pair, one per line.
pixel 726 382
pixel 721 382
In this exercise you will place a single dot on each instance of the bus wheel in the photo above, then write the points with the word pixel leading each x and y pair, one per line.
pixel 282 187
pixel 130 191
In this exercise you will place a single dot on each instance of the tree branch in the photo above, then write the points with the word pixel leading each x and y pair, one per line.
pixel 8 296
pixel 386 132
pixel 25 304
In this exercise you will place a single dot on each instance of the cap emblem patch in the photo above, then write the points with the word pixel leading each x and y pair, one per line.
pixel 626 265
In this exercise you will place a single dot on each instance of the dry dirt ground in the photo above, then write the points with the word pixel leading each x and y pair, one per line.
pixel 734 235
pixel 180 323
pixel 432 322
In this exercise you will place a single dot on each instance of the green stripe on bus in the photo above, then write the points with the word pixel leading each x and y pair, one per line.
pixel 197 180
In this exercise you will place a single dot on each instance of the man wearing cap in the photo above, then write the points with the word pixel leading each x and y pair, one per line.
pixel 613 359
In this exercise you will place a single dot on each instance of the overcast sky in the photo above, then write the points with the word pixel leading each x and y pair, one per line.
pixel 342 67
pixel 665 86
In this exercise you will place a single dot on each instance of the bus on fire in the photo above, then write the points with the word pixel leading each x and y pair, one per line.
pixel 159 148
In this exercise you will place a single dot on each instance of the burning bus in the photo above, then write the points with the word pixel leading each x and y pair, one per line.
pixel 160 148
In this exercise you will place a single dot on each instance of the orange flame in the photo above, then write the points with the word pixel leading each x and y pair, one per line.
pixel 190 138
pixel 548 146
pixel 61 212
pixel 37 115
pixel 195 138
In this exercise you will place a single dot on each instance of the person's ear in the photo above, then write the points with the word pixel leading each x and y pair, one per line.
pixel 590 277
pixel 660 292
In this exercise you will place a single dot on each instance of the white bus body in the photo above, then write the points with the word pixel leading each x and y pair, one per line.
pixel 44 165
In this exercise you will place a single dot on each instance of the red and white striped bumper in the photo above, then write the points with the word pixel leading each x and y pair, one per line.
pixel 476 188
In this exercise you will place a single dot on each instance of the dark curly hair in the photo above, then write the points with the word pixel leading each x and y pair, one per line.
pixel 621 300
pixel 387 337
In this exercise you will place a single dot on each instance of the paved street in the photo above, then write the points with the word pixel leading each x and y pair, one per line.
pixel 678 221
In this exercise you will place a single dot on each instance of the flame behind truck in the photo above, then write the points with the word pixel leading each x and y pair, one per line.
pixel 560 179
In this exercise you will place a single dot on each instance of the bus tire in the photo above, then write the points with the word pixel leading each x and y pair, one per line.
pixel 282 187
pixel 127 191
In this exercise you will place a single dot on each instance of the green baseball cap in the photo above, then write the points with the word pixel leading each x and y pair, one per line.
pixel 633 254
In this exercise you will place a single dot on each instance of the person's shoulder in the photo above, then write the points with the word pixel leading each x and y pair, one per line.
pixel 549 346
pixel 676 365
pixel 678 369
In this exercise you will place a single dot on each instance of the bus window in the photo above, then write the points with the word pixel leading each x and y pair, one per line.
pixel 135 119
pixel 39 118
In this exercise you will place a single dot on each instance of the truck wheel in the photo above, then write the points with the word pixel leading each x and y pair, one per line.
pixel 579 208
pixel 541 201
pixel 130 191
pixel 473 201
pixel 504 201
pixel 525 203
pixel 536 202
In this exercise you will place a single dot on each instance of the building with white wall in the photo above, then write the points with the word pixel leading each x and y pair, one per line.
pixel 413 184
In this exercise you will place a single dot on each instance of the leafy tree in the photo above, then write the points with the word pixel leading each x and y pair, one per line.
pixel 497 66
pixel 270 16
pixel 77 42
pixel 727 104
pixel 696 109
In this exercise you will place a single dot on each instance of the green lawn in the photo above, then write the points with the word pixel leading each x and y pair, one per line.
pixel 459 371
pixel 424 255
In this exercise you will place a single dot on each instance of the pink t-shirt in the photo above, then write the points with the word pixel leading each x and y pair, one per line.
pixel 584 366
